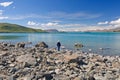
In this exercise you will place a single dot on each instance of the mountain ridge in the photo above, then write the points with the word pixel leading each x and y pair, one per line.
pixel 8 27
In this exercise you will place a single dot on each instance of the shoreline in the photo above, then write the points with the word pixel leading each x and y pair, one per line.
pixel 40 62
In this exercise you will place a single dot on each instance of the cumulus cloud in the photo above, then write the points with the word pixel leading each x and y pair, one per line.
pixel 102 23
pixel 110 24
pixel 5 4
pixel 32 23
pixel 115 22
pixel 49 24
pixel 62 27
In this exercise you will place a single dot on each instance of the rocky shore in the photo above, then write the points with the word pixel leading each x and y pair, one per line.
pixel 39 62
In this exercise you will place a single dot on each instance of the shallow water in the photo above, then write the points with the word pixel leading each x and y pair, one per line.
pixel 109 41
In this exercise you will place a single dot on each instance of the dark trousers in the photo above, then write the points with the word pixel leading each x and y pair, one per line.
pixel 58 48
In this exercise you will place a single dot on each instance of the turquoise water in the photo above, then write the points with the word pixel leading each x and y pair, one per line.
pixel 110 41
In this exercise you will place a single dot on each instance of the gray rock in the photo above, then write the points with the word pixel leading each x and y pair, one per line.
pixel 42 44
pixel 20 45
pixel 48 76
pixel 11 78
pixel 25 78
pixel 26 59
pixel 1 78
pixel 91 78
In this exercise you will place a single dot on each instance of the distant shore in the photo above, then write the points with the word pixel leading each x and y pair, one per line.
pixel 18 62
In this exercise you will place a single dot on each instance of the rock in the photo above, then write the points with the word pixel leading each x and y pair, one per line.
pixel 27 59
pixel 48 76
pixel 77 78
pixel 25 78
pixel 91 78
pixel 42 44
pixel 20 45
pixel 68 72
pixel 57 71
pixel 12 70
pixel 5 49
pixel 78 60
pixel 5 44
pixel 60 77
pixel 68 57
pixel 1 78
pixel 11 45
pixel 11 78
pixel 12 65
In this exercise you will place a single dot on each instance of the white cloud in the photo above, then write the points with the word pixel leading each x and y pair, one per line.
pixel 32 23
pixel 49 24
pixel 102 23
pixel 5 4
pixel 70 26
pixel 111 24
pixel 62 27
pixel 3 17
pixel 115 22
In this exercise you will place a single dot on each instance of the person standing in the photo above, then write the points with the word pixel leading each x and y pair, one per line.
pixel 58 45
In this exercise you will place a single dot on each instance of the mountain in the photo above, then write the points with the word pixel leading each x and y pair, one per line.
pixel 7 27
pixel 106 30
pixel 115 29
pixel 51 30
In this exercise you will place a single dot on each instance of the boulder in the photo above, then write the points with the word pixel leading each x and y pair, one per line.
pixel 20 45
pixel 42 44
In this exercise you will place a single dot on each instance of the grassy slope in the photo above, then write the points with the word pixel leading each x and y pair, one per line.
pixel 7 27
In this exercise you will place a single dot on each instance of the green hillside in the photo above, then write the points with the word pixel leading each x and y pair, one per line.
pixel 7 27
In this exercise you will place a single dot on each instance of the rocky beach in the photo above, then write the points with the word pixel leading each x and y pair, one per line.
pixel 38 62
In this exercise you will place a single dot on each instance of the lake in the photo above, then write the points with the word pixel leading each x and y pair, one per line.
pixel 108 41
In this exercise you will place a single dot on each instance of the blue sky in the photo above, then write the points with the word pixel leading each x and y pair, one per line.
pixel 65 15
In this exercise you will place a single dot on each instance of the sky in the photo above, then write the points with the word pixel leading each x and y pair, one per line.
pixel 63 15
